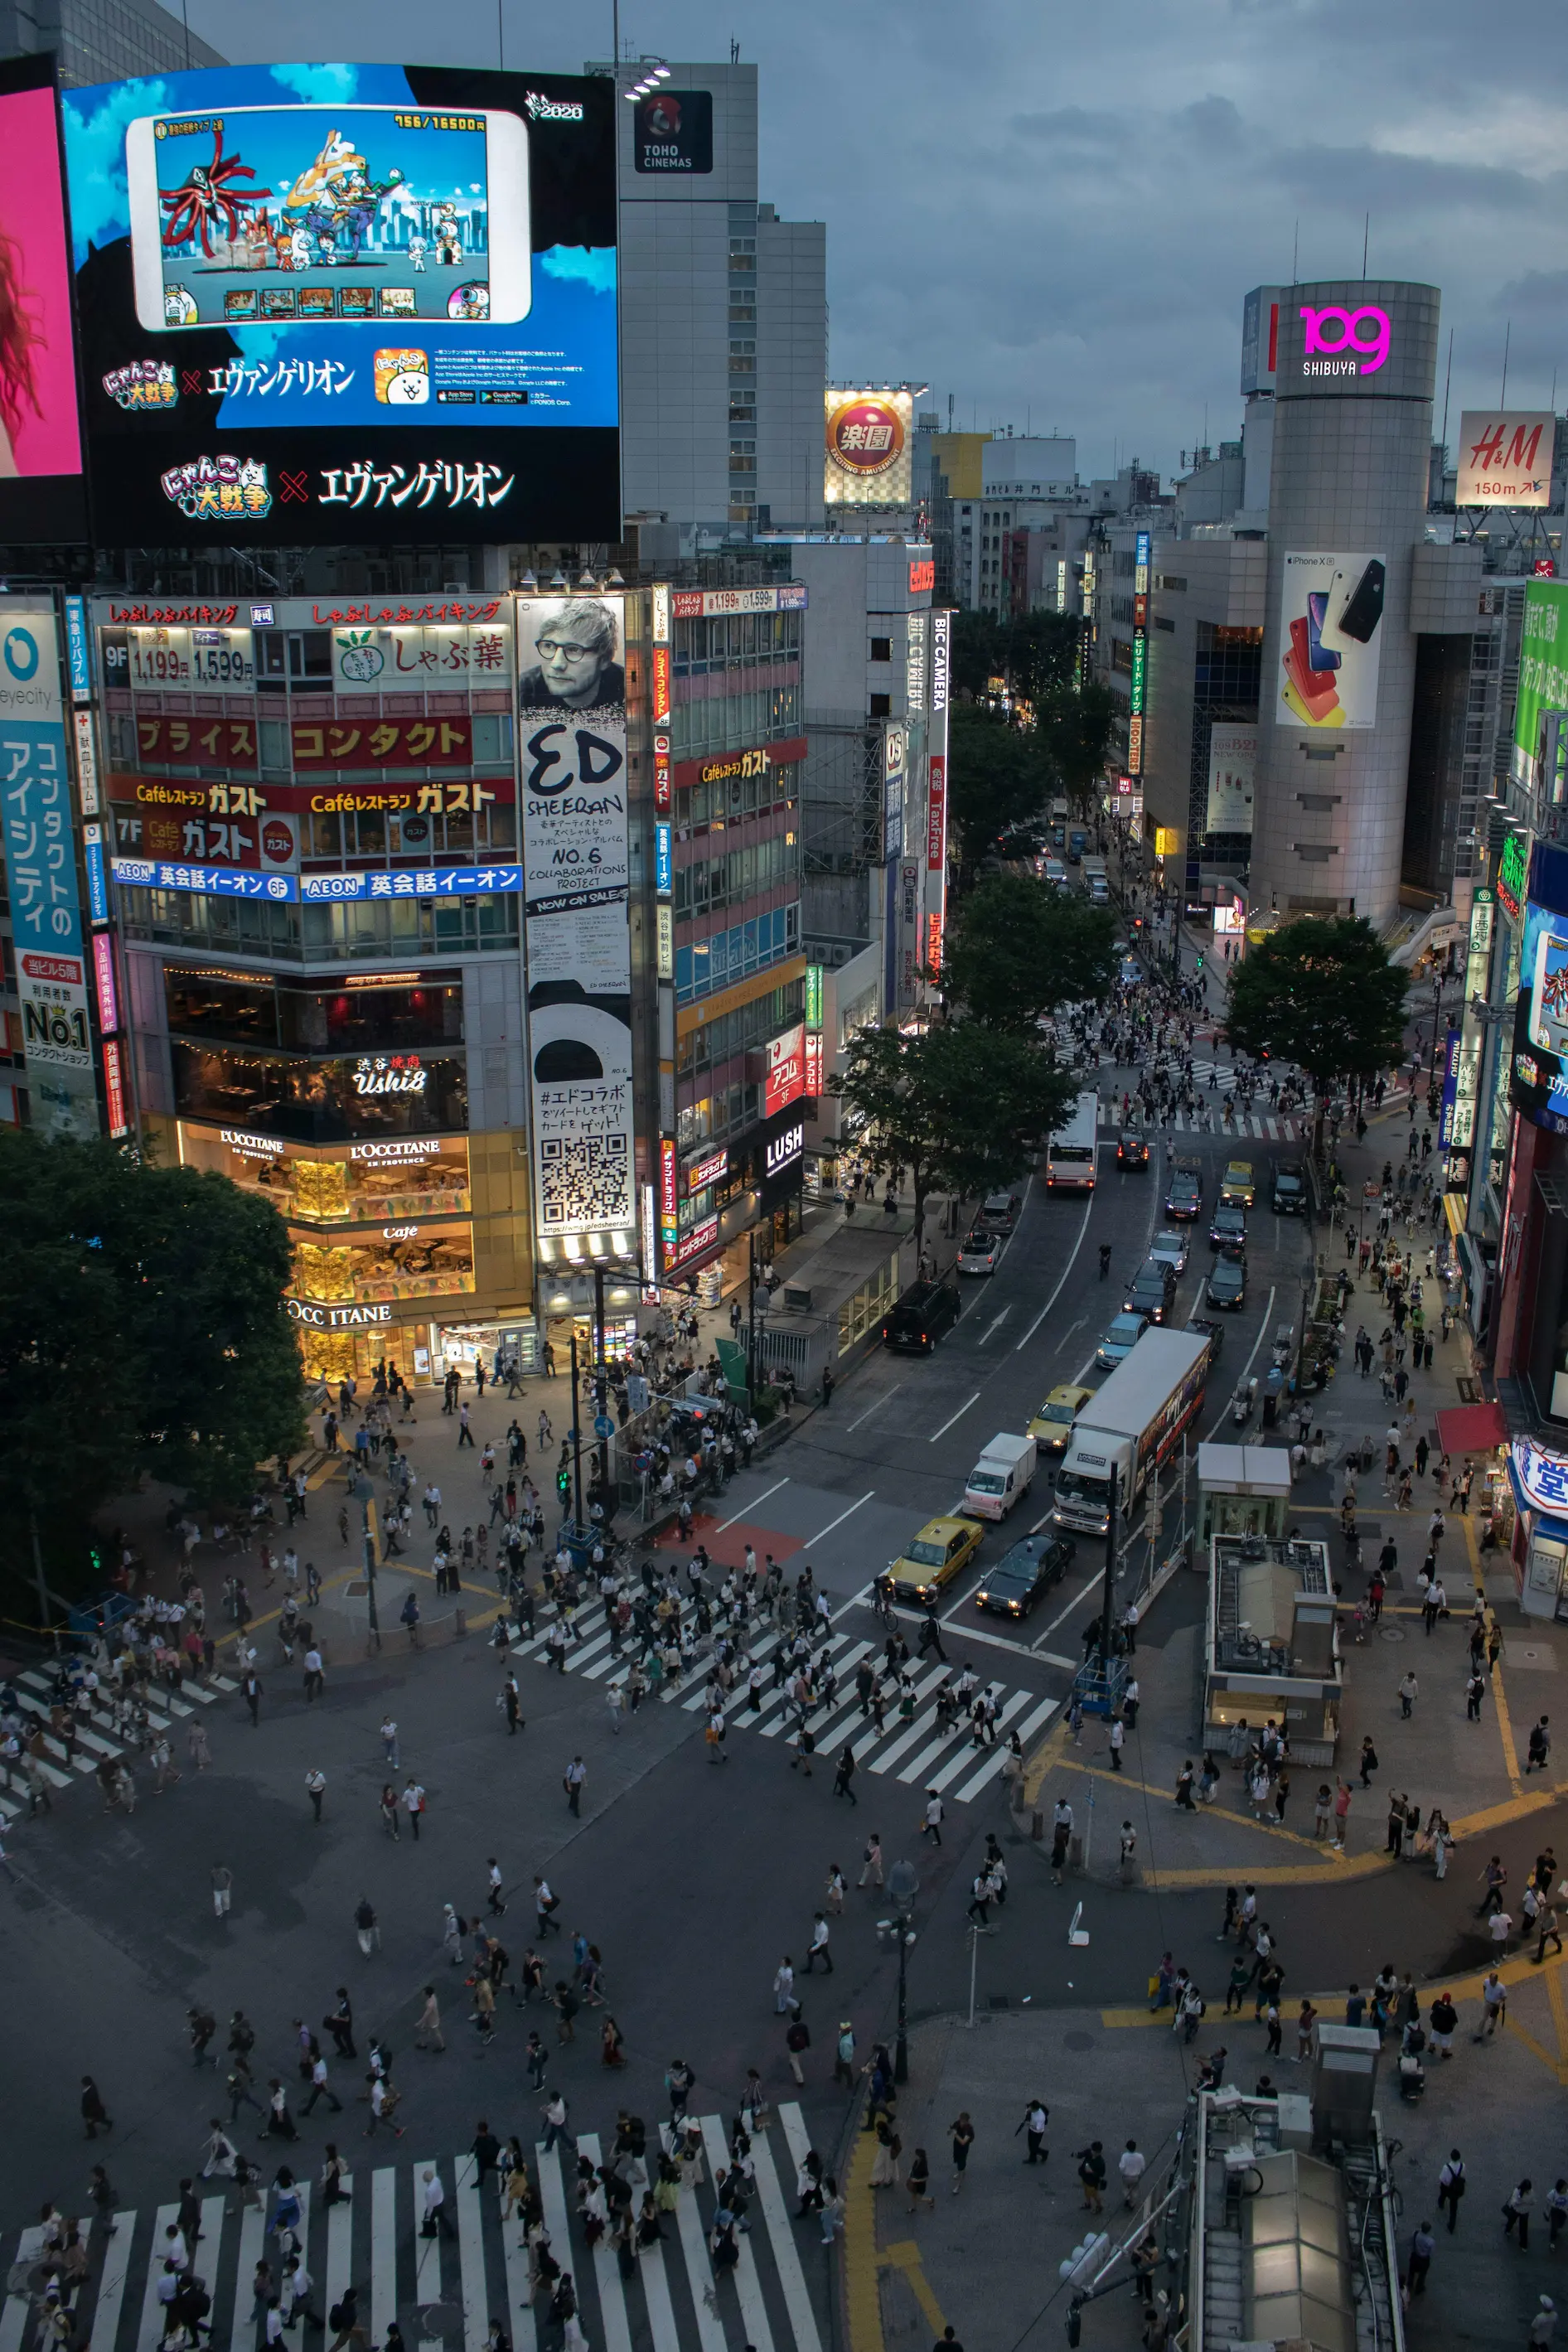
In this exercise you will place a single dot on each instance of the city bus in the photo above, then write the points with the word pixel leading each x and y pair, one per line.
pixel 1070 1154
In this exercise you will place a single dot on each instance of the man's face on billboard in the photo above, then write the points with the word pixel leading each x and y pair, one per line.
pixel 572 665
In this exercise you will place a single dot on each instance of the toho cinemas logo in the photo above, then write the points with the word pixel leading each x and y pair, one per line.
pixel 1347 342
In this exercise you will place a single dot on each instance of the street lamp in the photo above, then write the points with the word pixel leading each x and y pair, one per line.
pixel 903 1885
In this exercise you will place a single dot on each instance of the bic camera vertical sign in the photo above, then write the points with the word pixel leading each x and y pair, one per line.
pixel 40 829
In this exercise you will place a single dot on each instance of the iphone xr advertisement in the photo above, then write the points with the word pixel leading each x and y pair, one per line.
pixel 1330 640
pixel 334 303
pixel 42 486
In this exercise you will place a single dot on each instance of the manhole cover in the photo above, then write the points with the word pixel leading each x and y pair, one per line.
pixel 1391 1632
pixel 1077 2040
pixel 356 1587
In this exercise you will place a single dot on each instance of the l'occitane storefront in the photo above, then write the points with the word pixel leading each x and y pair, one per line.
pixel 383 1236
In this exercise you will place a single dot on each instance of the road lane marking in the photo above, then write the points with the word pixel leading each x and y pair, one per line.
pixel 995 1325
pixel 873 1406
pixel 957 1416
pixel 823 1532
pixel 753 1505
pixel 1083 1228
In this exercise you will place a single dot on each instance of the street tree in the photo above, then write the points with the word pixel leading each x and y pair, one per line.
pixel 1017 949
pixel 1322 992
pixel 143 1334
pixel 1073 728
pixel 998 786
pixel 960 1108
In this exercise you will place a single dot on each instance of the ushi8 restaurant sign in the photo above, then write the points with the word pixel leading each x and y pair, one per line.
pixel 35 812
pixel 572 745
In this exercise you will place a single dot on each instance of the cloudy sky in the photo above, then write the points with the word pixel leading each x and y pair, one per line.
pixel 1053 213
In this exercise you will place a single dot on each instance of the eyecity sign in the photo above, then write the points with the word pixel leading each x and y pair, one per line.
pixel 1332 331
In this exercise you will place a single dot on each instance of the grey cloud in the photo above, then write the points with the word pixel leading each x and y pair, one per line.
pixel 1069 126
pixel 1214 119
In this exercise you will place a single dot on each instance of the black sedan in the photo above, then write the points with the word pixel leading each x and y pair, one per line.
pixel 1019 1578
pixel 1132 1151
pixel 1227 1286
pixel 1184 1196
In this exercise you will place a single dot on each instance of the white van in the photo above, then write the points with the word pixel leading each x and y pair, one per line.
pixel 1000 1477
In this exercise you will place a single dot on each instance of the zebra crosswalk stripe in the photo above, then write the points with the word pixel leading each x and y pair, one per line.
pixel 471 2256
pixel 15 2313
pixel 252 2238
pixel 671 2301
pixel 938 1761
pixel 607 2272
pixel 149 2327
pixel 112 2284
pixel 382 2251
pixel 759 2334
pixel 802 2319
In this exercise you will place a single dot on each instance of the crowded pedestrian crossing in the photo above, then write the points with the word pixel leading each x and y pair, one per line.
pixel 93 1735
pixel 448 2292
pixel 926 1750
pixel 1262 1126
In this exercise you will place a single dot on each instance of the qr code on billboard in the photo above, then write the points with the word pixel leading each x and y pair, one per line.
pixel 585 1180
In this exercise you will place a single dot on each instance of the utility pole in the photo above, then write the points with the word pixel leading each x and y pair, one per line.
pixel 576 1435
pixel 601 1383
pixel 1110 1582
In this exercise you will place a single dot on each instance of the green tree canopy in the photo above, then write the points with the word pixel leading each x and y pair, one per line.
pixel 1321 991
pixel 1073 727
pixel 1033 655
pixel 143 1331
pixel 1017 949
pixel 998 786
pixel 962 1108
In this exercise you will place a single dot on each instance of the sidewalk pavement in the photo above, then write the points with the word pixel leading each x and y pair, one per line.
pixel 986 2261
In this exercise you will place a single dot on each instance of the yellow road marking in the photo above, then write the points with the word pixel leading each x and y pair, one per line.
pixel 862 2287
pixel 906 2257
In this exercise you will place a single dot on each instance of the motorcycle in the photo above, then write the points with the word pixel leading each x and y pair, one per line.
pixel 1242 1401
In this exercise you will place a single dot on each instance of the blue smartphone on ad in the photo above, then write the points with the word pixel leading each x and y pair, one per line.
pixel 1317 613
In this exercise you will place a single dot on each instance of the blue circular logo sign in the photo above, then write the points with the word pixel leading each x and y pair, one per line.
pixel 21 651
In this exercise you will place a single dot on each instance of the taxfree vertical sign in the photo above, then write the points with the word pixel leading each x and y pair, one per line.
pixel 37 820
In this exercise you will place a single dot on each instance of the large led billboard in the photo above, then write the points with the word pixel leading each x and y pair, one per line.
pixel 329 303
pixel 867 458
pixel 1543 683
pixel 41 488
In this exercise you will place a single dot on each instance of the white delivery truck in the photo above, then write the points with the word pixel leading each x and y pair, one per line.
pixel 1129 1426
pixel 1004 1473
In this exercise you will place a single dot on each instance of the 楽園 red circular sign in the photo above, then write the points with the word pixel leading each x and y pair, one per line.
pixel 865 435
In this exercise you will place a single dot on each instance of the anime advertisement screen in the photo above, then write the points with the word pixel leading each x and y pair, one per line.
pixel 343 303
pixel 41 489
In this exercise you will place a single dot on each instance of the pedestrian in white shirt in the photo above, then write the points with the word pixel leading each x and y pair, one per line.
pixel 1132 2164
pixel 433 2205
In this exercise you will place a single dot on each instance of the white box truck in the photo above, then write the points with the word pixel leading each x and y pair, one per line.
pixel 1004 1473
pixel 1132 1424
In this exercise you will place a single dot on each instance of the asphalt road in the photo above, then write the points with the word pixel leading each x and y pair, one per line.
pixel 694 1881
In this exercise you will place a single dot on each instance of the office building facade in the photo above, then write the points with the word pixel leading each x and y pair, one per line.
pixel 724 318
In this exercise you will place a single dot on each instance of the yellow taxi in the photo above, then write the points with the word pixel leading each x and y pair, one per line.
pixel 934 1558
pixel 1237 1184
pixel 1052 1425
